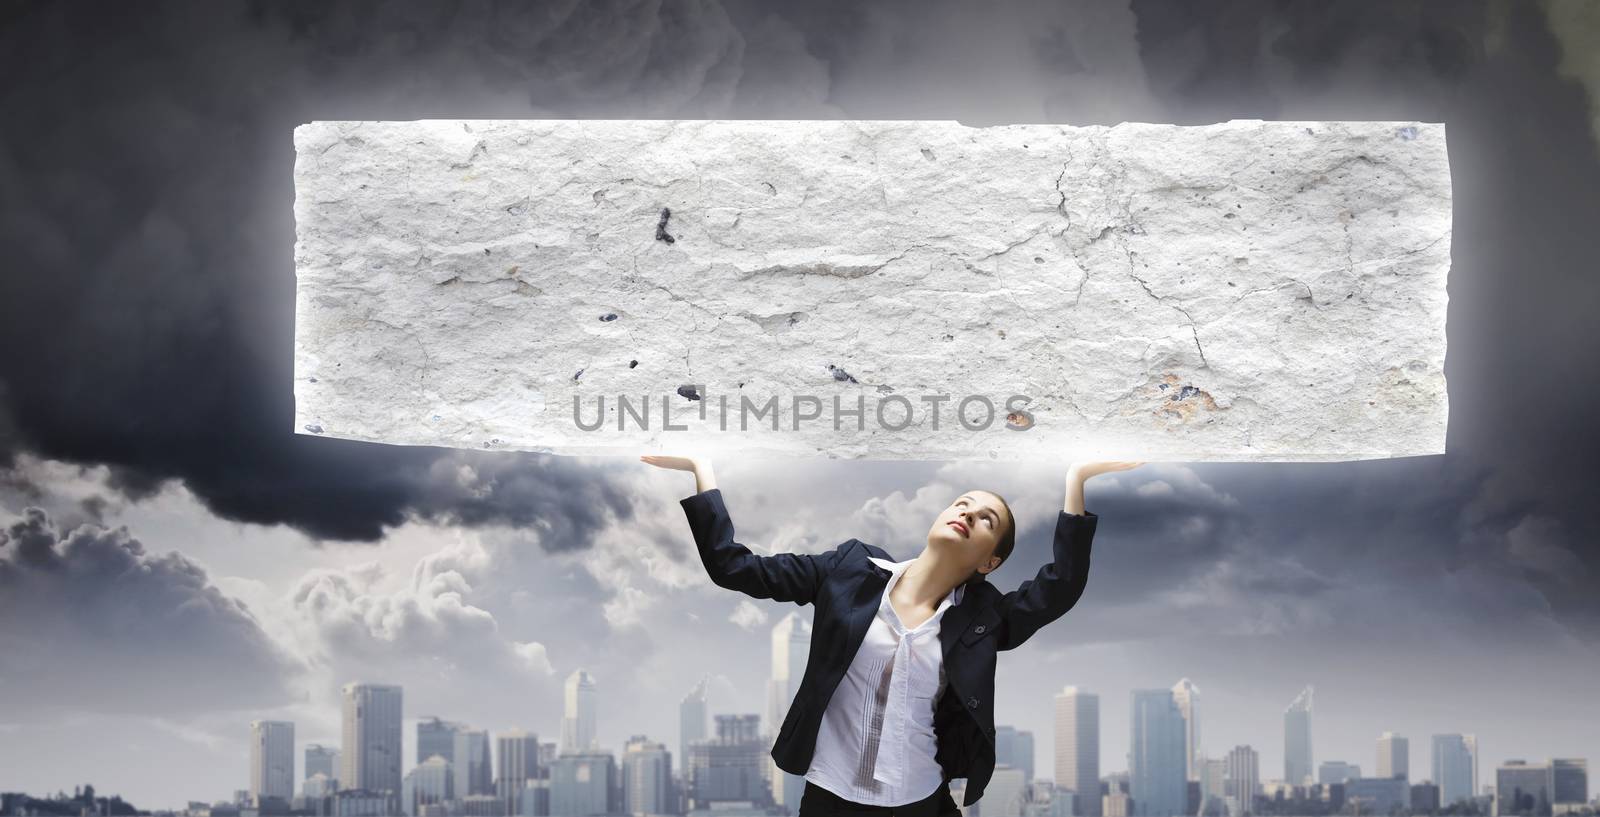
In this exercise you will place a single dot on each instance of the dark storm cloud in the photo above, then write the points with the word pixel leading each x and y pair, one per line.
pixel 1229 59
pixel 90 620
pixel 145 182
pixel 146 196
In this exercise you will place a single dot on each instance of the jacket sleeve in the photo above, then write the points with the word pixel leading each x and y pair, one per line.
pixel 1057 587
pixel 795 577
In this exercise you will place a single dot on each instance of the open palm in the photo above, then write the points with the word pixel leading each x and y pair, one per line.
pixel 669 463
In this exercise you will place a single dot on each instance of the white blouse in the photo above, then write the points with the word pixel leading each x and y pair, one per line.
pixel 876 743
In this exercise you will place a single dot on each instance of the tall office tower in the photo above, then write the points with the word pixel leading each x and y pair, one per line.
pixel 1188 697
pixel 1157 776
pixel 1471 742
pixel 1336 771
pixel 372 738
pixel 1297 739
pixel 738 728
pixel 1115 799
pixel 1078 748
pixel 322 760
pixel 583 783
pixel 516 762
pixel 1523 788
pixel 578 724
pixel 1025 752
pixel 1394 756
pixel 436 737
pixel 1452 768
pixel 691 724
pixel 1213 785
pixel 271 760
pixel 646 777
pixel 731 767
pixel 548 751
pixel 1014 747
pixel 1569 779
pixel 430 783
pixel 474 775
pixel 1243 777
pixel 1061 802
pixel 791 643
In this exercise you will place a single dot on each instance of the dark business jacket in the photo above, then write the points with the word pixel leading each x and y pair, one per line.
pixel 846 589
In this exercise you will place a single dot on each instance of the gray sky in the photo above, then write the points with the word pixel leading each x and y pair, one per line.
pixel 176 562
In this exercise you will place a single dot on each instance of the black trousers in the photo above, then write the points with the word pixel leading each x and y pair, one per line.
pixel 819 802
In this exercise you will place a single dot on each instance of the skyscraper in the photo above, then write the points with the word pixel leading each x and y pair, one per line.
pixel 1157 777
pixel 516 762
pixel 1187 696
pixel 791 643
pixel 583 784
pixel 731 767
pixel 429 783
pixel 436 737
pixel 1394 756
pixel 691 724
pixel 1243 778
pixel 372 738
pixel 1078 748
pixel 474 775
pixel 1522 787
pixel 271 759
pixel 1569 778
pixel 1014 747
pixel 1213 785
pixel 322 760
pixel 646 777
pixel 1452 768
pixel 1472 749
pixel 1297 739
pixel 578 724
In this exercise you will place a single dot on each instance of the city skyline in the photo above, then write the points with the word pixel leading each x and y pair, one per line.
pixel 1169 717
pixel 1164 723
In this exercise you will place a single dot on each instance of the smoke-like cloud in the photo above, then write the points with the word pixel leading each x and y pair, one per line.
pixel 91 621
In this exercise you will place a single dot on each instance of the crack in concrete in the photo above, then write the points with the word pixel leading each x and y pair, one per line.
pixel 1117 198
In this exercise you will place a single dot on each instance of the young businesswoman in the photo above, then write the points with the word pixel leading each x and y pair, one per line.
pixel 874 727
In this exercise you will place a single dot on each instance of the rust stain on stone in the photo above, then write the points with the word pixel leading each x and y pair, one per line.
pixel 1172 399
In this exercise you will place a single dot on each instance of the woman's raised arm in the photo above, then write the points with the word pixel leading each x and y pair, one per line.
pixel 795 577
pixel 1061 581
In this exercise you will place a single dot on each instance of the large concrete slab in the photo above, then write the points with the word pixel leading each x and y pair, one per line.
pixel 1242 291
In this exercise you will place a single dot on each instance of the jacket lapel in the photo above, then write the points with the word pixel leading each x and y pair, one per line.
pixel 866 597
pixel 955 621
pixel 869 594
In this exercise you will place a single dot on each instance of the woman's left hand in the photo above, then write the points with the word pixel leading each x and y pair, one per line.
pixel 1084 470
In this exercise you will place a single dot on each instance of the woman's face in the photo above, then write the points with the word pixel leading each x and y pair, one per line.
pixel 970 527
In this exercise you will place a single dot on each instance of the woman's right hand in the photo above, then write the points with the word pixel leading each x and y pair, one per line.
pixel 670 463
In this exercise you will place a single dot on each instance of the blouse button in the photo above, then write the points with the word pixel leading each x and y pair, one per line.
pixel 979 629
pixel 972 703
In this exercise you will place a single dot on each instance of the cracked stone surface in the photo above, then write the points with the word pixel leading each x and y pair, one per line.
pixel 1248 290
